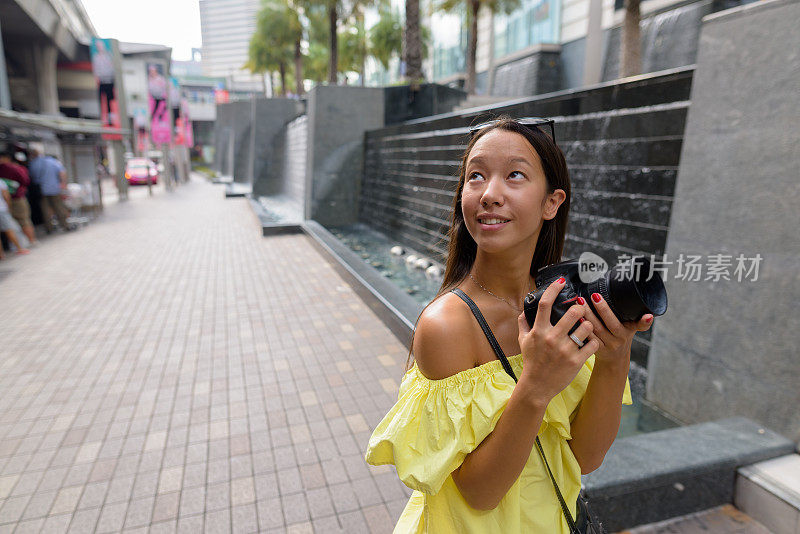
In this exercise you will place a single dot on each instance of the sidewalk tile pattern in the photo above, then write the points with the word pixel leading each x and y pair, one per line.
pixel 167 369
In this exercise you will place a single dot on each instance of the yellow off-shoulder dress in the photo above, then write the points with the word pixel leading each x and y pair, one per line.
pixel 436 423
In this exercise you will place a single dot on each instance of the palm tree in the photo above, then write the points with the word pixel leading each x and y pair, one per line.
pixel 386 38
pixel 276 42
pixel 473 10
pixel 412 40
pixel 332 10
pixel 631 51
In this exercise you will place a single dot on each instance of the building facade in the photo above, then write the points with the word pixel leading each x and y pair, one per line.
pixel 226 27
pixel 542 45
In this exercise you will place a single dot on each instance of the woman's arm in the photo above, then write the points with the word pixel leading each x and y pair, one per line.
pixel 488 472
pixel 596 424
pixel 444 345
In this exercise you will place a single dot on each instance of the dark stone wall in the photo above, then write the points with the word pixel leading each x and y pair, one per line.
pixel 338 116
pixel 271 117
pixel 531 75
pixel 232 125
pixel 236 120
pixel 401 103
pixel 622 143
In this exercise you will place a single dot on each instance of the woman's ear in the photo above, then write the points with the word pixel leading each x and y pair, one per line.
pixel 552 202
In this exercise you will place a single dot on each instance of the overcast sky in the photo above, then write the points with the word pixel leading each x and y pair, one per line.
pixel 174 23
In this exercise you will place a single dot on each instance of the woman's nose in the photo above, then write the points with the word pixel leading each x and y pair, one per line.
pixel 493 193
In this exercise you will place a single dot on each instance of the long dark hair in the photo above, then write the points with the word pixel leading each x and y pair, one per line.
pixel 462 249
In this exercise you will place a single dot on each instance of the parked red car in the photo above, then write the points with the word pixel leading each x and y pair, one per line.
pixel 137 171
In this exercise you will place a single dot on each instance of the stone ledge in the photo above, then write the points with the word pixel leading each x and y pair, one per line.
pixel 397 310
pixel 664 474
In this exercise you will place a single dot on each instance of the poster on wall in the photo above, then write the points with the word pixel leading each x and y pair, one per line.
pixel 175 104
pixel 157 95
pixel 101 52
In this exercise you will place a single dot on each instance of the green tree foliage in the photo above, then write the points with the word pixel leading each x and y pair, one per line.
pixel 386 37
pixel 316 59
pixel 275 40
pixel 353 49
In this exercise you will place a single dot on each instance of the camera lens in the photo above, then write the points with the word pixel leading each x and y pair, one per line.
pixel 629 292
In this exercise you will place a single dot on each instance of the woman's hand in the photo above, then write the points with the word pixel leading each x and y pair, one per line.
pixel 615 337
pixel 551 359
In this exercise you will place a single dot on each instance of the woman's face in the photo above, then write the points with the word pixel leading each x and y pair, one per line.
pixel 504 199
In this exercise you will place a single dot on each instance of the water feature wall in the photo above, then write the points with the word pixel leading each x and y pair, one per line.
pixel 231 140
pixel 294 159
pixel 622 142
pixel 245 134
pixel 312 162
pixel 669 40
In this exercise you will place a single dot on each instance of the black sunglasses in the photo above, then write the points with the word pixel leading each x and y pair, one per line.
pixel 534 123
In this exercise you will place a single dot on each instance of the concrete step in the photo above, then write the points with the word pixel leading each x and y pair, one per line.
pixel 476 101
pixel 769 491
pixel 724 519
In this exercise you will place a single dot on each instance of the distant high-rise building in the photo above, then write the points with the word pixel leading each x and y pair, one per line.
pixel 227 26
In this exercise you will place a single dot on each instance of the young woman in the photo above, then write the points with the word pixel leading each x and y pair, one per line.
pixel 462 432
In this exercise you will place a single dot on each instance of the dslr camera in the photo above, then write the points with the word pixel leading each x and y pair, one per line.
pixel 625 287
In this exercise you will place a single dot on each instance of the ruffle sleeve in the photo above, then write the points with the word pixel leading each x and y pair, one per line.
pixel 563 407
pixel 435 423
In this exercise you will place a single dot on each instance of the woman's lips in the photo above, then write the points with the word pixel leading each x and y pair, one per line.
pixel 492 227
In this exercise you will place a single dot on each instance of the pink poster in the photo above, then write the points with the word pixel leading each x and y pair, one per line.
pixel 157 91
pixel 102 53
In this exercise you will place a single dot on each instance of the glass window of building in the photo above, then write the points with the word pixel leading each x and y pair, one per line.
pixel 535 22
pixel 449 43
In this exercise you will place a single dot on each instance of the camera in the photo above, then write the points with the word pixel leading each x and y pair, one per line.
pixel 626 288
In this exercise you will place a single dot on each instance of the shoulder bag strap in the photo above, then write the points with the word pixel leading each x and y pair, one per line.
pixel 488 331
pixel 507 366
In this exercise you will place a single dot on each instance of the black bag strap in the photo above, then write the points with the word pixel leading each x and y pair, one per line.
pixel 488 331
pixel 507 366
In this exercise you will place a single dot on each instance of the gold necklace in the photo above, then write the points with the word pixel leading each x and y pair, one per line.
pixel 518 310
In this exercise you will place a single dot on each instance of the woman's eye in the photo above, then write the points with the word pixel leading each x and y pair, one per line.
pixel 475 175
pixel 516 174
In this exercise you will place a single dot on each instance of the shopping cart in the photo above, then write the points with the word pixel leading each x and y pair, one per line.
pixel 76 197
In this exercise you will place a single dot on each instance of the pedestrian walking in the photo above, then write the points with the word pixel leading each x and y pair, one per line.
pixel 7 222
pixel 20 208
pixel 51 176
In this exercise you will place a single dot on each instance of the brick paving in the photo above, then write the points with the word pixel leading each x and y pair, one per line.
pixel 167 369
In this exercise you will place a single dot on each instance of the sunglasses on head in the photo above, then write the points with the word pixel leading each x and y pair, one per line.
pixel 533 123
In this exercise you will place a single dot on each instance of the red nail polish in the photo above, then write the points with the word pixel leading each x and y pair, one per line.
pixel 561 280
pixel 581 301
pixel 596 297
pixel 648 319
pixel 582 319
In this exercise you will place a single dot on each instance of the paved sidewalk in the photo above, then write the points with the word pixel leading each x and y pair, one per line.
pixel 166 368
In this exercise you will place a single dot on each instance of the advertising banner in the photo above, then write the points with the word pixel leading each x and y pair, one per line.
pixel 175 105
pixel 101 51
pixel 157 96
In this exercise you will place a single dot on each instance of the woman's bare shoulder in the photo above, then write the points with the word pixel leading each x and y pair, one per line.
pixel 445 340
